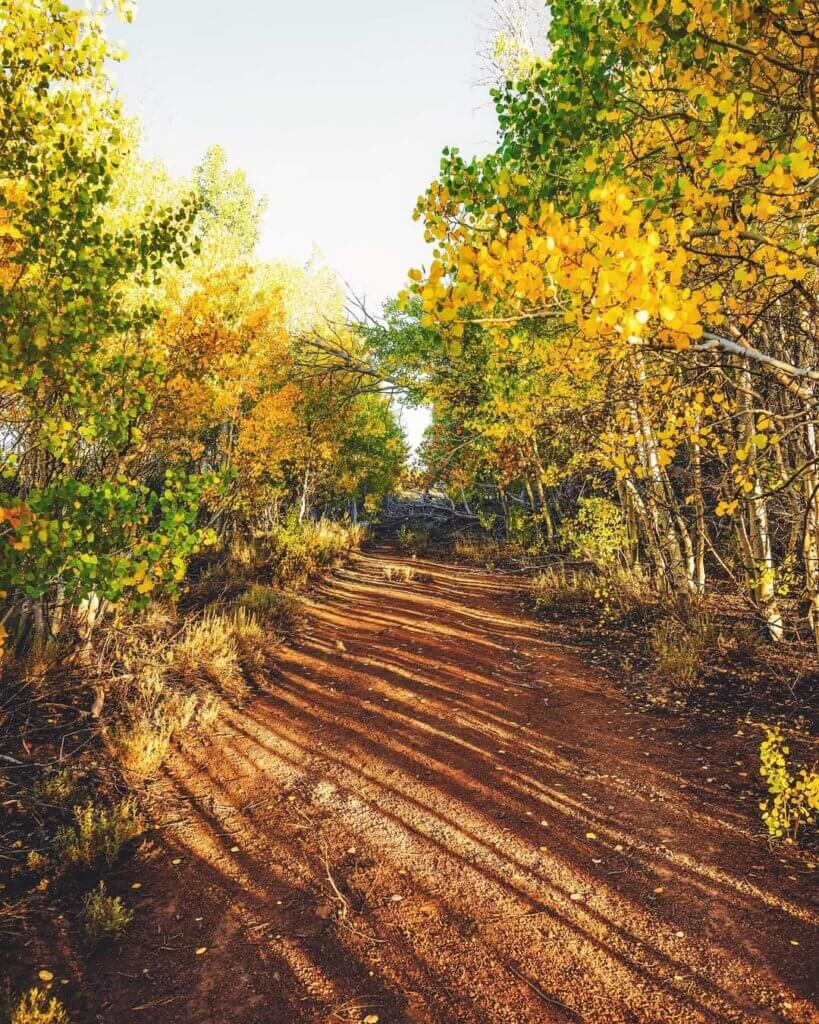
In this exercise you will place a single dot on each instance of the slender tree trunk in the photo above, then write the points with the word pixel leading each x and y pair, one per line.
pixel 304 492
pixel 810 536
pixel 699 519
pixel 763 580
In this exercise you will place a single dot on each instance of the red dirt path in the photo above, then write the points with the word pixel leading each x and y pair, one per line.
pixel 431 813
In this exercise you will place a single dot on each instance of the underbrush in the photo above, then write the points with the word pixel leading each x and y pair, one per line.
pixel 415 540
pixel 793 790
pixel 560 587
pixel 97 833
pixel 490 553
pixel 104 917
pixel 680 647
pixel 105 717
pixel 617 594
pixel 273 609
pixel 35 1007
pixel 284 557
pixel 708 659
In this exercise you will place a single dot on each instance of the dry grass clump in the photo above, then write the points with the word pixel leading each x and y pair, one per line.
pixel 284 556
pixel 38 1007
pixel 399 573
pixel 221 582
pixel 293 554
pixel 153 711
pixel 58 787
pixel 280 612
pixel 680 649
pixel 618 594
pixel 165 687
pixel 103 917
pixel 557 587
pixel 206 653
pixel 489 552
pixel 477 550
pixel 97 833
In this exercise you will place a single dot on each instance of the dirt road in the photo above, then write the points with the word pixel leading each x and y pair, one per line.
pixel 434 813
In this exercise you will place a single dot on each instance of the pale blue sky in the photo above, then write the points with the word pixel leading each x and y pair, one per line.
pixel 337 111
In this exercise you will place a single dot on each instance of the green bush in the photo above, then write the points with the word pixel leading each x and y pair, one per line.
pixel 104 917
pixel 597 533
pixel 97 833
pixel 273 609
pixel 414 540
pixel 793 799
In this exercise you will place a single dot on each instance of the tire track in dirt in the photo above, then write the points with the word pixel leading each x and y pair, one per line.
pixel 432 813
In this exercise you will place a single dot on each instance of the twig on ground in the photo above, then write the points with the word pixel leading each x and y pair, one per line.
pixel 539 991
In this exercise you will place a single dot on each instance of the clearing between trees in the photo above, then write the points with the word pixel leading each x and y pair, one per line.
pixel 435 811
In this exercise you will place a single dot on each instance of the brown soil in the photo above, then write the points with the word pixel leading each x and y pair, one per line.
pixel 433 813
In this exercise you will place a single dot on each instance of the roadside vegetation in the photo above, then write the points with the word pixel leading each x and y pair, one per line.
pixel 176 466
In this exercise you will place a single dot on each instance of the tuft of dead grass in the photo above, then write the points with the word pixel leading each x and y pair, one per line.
pixel 97 833
pixel 400 573
pixel 206 653
pixel 558 586
pixel 281 612
pixel 680 648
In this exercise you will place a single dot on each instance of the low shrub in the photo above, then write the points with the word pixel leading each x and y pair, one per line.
pixel 36 861
pixel 294 552
pixel 403 573
pixel 97 833
pixel 597 533
pixel 617 593
pixel 220 582
pixel 104 917
pixel 793 800
pixel 207 653
pixel 284 556
pixel 476 550
pixel 140 746
pixel 38 1007
pixel 58 787
pixel 151 712
pixel 413 539
pixel 489 552
pixel 283 613
pixel 558 586
pixel 680 649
